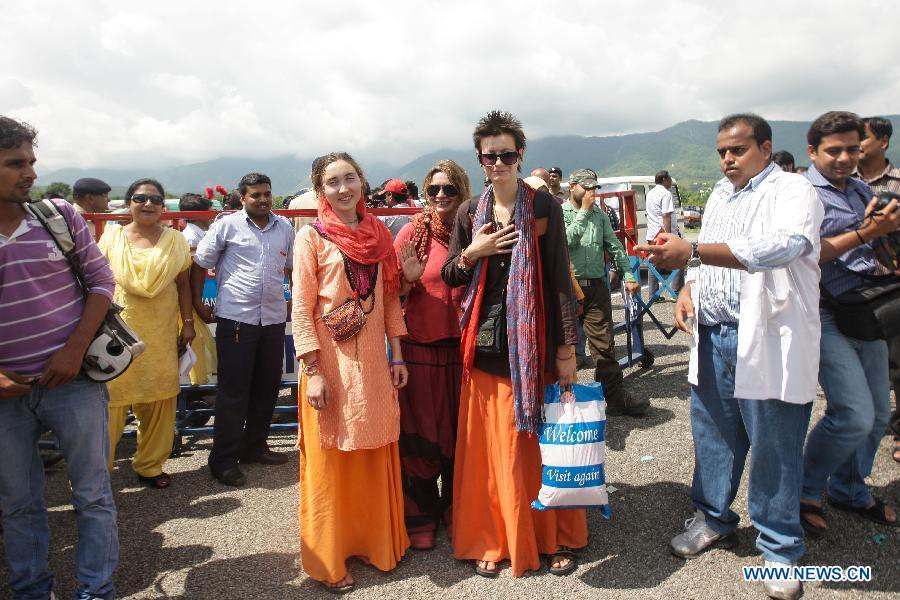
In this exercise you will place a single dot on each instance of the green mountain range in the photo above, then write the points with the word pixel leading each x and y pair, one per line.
pixel 686 150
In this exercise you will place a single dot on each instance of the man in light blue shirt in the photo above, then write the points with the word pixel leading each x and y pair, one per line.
pixel 252 252
pixel 853 372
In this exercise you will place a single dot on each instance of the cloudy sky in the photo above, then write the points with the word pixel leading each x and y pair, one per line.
pixel 152 84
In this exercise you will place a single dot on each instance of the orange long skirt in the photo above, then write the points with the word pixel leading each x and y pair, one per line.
pixel 351 504
pixel 497 475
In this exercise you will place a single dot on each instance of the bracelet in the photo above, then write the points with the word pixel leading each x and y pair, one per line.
pixel 397 363
pixel 191 320
pixel 311 369
pixel 859 235
pixel 464 262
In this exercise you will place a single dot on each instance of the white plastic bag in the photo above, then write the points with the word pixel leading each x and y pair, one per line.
pixel 573 449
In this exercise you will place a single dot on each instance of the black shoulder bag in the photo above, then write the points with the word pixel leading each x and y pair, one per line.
pixel 868 312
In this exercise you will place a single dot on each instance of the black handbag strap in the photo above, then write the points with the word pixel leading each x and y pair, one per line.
pixel 48 215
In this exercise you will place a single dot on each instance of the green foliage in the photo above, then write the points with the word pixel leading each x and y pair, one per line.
pixel 58 187
pixel 277 202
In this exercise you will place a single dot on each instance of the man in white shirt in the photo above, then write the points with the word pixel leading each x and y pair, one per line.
pixel 753 291
pixel 661 216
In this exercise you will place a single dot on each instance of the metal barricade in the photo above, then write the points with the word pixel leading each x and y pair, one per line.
pixel 191 420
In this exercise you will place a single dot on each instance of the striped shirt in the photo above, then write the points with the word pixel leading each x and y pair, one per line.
pixel 886 181
pixel 844 211
pixel 40 300
pixel 728 219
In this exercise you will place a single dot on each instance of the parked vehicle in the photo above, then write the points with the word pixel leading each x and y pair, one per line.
pixel 693 216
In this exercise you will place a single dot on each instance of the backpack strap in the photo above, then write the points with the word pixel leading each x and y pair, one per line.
pixel 49 215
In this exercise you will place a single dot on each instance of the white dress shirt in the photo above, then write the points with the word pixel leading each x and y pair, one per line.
pixel 774 232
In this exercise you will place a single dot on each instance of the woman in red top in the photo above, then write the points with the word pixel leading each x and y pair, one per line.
pixel 429 404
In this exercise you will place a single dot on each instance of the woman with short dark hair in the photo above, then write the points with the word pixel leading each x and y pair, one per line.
pixel 518 332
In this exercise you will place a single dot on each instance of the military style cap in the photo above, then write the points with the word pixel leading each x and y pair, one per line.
pixel 586 178
pixel 90 185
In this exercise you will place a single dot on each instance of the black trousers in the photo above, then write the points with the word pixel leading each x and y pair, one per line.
pixel 250 361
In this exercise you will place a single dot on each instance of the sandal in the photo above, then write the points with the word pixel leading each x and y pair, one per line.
pixel 812 530
pixel 159 482
pixel 338 590
pixel 489 573
pixel 874 513
pixel 563 552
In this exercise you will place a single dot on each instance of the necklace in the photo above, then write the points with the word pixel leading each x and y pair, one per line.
pixel 498 226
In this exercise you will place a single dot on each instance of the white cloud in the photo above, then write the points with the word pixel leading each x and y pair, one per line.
pixel 119 84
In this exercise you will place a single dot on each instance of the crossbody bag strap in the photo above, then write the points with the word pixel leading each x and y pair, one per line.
pixel 348 269
pixel 48 215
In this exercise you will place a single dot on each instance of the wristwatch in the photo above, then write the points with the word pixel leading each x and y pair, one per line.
pixel 694 261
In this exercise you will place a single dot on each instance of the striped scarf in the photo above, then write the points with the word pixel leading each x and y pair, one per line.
pixel 524 309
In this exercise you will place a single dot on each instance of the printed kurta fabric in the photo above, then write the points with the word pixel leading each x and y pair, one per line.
pixel 362 410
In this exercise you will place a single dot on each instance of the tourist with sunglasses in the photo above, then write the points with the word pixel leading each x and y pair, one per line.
pixel 346 302
pixel 150 263
pixel 429 404
pixel 508 248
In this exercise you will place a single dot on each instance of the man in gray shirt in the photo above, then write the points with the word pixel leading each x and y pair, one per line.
pixel 252 252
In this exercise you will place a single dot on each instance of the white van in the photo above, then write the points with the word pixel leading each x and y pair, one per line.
pixel 640 185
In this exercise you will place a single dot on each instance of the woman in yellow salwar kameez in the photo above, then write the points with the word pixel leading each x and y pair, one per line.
pixel 351 493
pixel 150 263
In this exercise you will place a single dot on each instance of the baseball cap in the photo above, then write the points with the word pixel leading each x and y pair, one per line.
pixel 556 170
pixel 586 178
pixel 396 186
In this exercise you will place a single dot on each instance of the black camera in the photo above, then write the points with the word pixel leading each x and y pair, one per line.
pixel 892 240
pixel 884 198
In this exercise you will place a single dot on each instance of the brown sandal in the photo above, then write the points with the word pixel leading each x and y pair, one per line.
pixel 489 573
pixel 564 553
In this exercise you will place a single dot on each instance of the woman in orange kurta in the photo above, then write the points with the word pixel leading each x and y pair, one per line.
pixel 351 495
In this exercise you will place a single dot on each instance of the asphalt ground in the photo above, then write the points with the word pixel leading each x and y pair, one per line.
pixel 199 540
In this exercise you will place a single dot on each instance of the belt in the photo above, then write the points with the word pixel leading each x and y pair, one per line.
pixel 589 282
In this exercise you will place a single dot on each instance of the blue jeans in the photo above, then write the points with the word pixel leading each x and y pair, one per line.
pixel 842 446
pixel 724 429
pixel 77 414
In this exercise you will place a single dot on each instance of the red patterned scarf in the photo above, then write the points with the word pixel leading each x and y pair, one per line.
pixel 524 310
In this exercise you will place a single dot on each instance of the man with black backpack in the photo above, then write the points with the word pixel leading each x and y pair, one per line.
pixel 853 369
pixel 46 329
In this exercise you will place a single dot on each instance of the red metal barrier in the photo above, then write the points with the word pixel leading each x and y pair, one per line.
pixel 101 219
pixel 628 225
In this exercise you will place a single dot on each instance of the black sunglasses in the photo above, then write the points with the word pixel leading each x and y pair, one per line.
pixel 450 190
pixel 141 198
pixel 489 159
